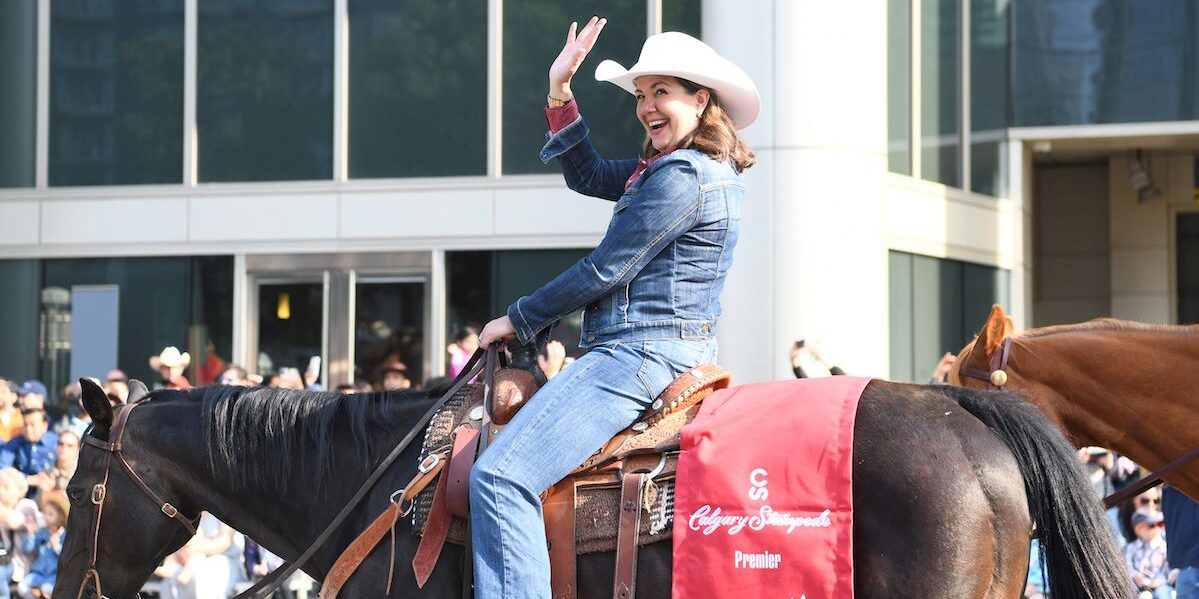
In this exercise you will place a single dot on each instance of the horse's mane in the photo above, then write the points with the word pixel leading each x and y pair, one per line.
pixel 1107 324
pixel 258 436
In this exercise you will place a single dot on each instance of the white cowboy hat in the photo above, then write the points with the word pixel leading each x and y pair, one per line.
pixel 171 358
pixel 680 55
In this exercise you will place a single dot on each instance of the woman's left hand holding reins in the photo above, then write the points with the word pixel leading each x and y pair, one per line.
pixel 496 330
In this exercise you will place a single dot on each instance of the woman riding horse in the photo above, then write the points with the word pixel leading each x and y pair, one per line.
pixel 650 289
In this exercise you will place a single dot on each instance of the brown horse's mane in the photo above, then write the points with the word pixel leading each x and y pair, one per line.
pixel 1107 324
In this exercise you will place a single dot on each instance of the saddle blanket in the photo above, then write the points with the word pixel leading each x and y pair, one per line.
pixel 764 494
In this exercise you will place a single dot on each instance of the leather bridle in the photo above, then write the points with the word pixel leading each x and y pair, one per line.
pixel 997 376
pixel 99 496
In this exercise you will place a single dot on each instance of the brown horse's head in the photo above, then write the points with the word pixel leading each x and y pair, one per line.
pixel 1020 373
pixel 133 534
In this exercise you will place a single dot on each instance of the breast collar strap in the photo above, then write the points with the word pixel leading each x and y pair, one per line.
pixel 100 495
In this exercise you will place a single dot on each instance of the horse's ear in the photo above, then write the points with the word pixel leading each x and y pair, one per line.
pixel 998 328
pixel 95 403
pixel 137 390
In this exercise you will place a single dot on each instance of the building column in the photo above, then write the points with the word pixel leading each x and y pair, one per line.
pixel 812 260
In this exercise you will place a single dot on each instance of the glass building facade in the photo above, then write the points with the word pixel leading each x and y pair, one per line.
pixel 1080 62
pixel 280 95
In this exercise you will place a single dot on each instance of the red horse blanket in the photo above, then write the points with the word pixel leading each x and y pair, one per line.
pixel 764 500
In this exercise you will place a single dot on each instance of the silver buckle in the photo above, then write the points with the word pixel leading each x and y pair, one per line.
pixel 429 463
pixel 98 493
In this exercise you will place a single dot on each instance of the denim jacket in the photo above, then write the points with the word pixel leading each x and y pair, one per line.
pixel 660 268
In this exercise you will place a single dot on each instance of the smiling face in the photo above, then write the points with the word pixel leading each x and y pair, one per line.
pixel 667 110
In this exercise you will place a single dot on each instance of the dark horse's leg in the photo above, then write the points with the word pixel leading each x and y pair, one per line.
pixel 939 501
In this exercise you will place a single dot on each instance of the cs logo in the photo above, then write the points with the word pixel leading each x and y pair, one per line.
pixel 757 485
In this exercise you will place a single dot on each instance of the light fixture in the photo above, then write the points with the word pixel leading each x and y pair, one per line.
pixel 283 307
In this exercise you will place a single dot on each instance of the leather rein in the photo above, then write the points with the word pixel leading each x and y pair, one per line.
pixel 272 581
pixel 997 377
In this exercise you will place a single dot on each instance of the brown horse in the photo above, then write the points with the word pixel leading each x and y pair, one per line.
pixel 948 483
pixel 1123 385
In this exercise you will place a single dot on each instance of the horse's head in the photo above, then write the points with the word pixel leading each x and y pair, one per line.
pixel 985 354
pixel 116 533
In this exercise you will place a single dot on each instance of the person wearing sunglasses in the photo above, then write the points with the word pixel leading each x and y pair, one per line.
pixel 1146 556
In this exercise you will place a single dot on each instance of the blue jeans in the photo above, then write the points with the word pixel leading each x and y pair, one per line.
pixel 1187 585
pixel 570 418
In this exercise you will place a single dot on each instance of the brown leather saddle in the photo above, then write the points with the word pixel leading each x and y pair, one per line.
pixel 608 494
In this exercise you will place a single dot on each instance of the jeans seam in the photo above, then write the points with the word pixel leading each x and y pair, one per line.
pixel 641 372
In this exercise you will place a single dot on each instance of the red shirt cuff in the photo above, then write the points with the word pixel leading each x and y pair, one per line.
pixel 558 118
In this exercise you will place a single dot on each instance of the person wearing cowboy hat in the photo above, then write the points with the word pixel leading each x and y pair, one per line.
pixel 649 291
pixel 170 364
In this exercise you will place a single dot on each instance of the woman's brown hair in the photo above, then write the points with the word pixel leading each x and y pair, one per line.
pixel 715 135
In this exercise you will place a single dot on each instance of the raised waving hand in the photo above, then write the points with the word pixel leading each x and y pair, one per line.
pixel 572 55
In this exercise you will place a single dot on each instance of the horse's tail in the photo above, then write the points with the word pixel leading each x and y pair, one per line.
pixel 1076 540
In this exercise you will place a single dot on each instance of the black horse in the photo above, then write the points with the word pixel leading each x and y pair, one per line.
pixel 948 483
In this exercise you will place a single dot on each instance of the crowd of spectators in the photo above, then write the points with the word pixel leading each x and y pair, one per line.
pixel 1157 532
pixel 37 459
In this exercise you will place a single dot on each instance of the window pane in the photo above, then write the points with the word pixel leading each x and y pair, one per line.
pixel 982 287
pixel 534 33
pixel 290 325
pixel 521 272
pixel 210 334
pixel 1094 61
pixel 899 86
pixel 116 92
pixel 988 94
pixel 937 289
pixel 900 308
pixel 936 306
pixel 19 319
pixel 939 91
pixel 481 286
pixel 18 93
pixel 418 88
pixel 469 292
pixel 391 325
pixel 682 15
pixel 264 99
pixel 149 321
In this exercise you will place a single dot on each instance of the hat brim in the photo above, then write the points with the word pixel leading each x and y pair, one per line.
pixel 157 362
pixel 738 95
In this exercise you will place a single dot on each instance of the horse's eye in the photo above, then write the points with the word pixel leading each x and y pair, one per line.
pixel 74 494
